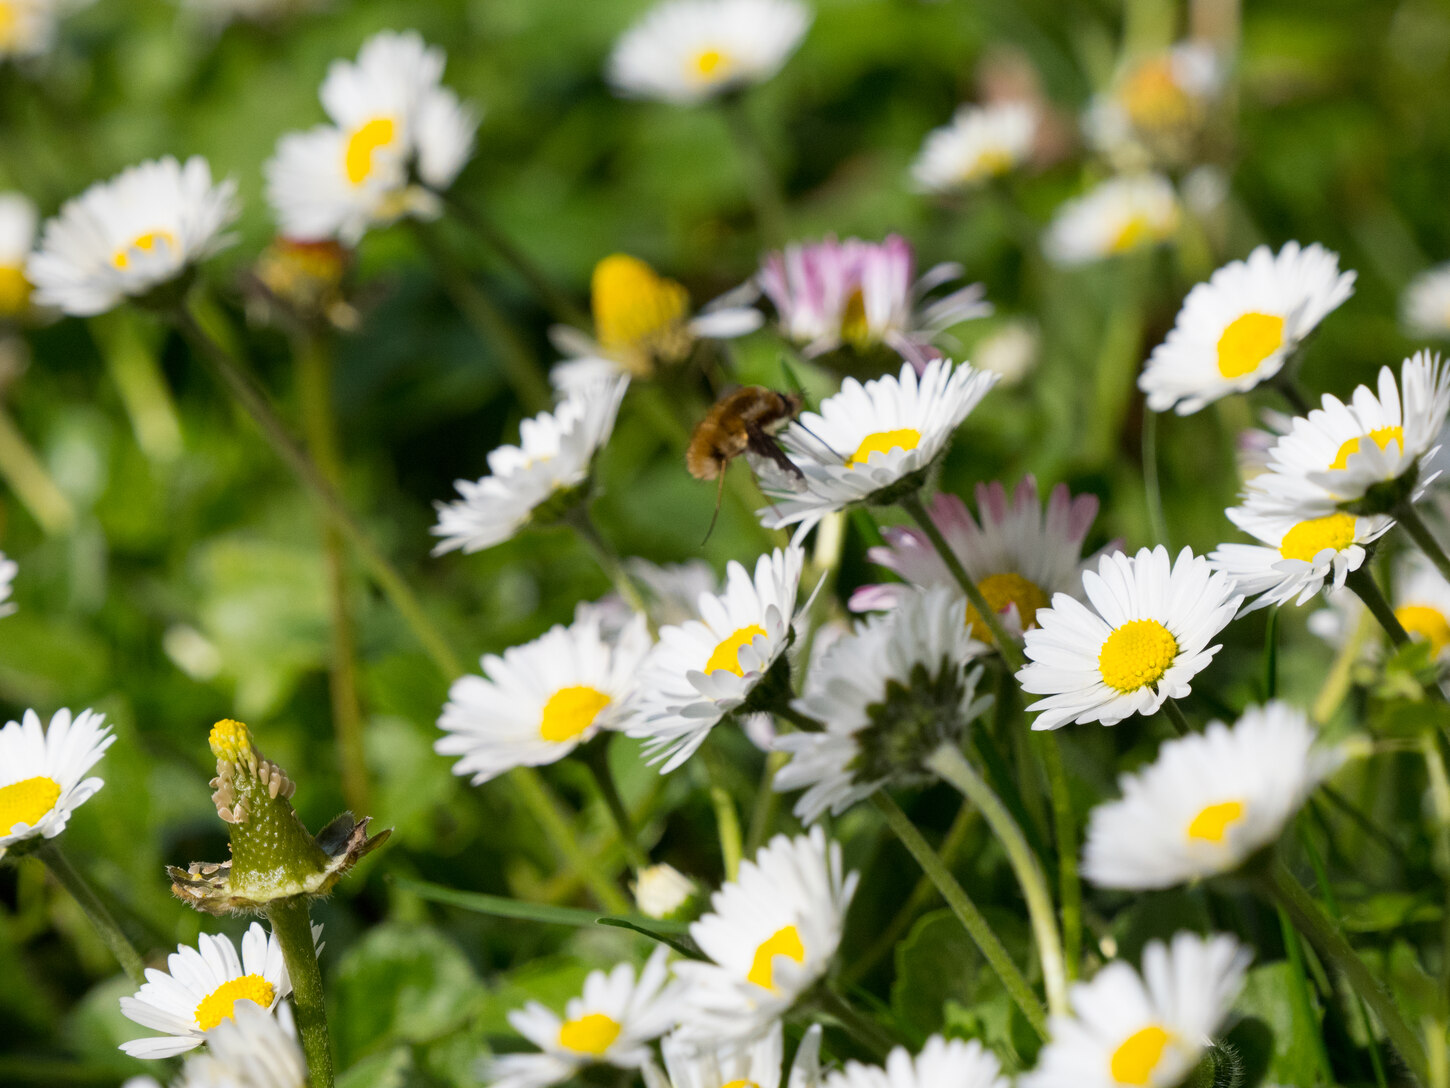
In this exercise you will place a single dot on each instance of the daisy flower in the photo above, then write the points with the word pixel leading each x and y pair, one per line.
pixel 200 988
pixel 770 935
pixel 250 1049
pixel 611 1023
pixel 123 237
pixel 982 142
pixel 398 139
pixel 1121 215
pixel 1367 456
pixel 1242 326
pixel 1010 352
pixel 642 322
pixel 830 295
pixel 1145 1031
pixel 888 695
pixel 538 702
pixel 687 51
pixel 708 667
pixel 1156 104
pixel 1144 638
pixel 1422 604
pixel 17 235
pixel 1019 556
pixel 870 441
pixel 754 1061
pixel 662 891
pixel 1425 306
pixel 942 1062
pixel 552 462
pixel 1295 558
pixel 8 570
pixel 43 772
pixel 27 27
pixel 1209 801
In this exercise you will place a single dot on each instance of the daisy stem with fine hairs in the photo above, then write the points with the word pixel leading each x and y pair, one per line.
pixel 292 926
pixel 949 763
pixel 966 911
pixel 95 911
pixel 1424 539
pixel 862 1029
pixel 1362 584
pixel 131 352
pixel 1152 491
pixel 765 193
pixel 1065 833
pixel 1283 889
pixel 1176 718
pixel 596 758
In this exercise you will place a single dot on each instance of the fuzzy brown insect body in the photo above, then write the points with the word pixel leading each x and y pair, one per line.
pixel 744 423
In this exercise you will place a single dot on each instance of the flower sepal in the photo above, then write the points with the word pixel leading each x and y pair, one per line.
pixel 1387 496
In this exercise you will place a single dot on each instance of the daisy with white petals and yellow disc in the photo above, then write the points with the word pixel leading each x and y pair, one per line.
pixel 611 1023
pixel 981 143
pixel 1208 802
pixel 538 702
pixel 770 935
pixel 687 51
pixel 18 220
pixel 1243 325
pixel 43 772
pixel 1422 604
pixel 125 237
pixel 869 441
pixel 941 1063
pixel 250 1049
pixel 751 1063
pixel 1148 1031
pixel 200 988
pixel 1144 638
pixel 1121 215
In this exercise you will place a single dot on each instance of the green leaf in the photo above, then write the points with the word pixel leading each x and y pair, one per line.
pixel 502 907
pixel 937 962
pixel 1268 996
pixel 683 945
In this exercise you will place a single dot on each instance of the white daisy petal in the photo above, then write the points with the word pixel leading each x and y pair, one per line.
pixel 43 772
pixel 942 1062
pixel 1122 214
pixel 982 142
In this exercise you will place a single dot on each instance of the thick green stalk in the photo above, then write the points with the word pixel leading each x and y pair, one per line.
pixel 1424 539
pixel 966 911
pixel 69 878
pixel 1065 831
pixel 767 803
pixel 727 820
pixel 292 926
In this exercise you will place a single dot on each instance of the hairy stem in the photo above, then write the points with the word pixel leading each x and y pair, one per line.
pixel 1361 582
pixel 69 878
pixel 1065 832
pixel 292 926
pixel 1424 539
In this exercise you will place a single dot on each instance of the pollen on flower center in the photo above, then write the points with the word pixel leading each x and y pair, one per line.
pixel 1136 655
pixel 904 438
pixel 14 287
pixel 1427 623
pixel 368 138
pixel 1248 340
pixel 710 63
pixel 1133 1062
pixel 217 1005
pixel 1309 538
pixel 1002 591
pixel 1381 436
pixel 26 801
pixel 146 243
pixel 783 942
pixel 727 655
pixel 634 306
pixel 570 711
pixel 591 1034
pixel 1213 822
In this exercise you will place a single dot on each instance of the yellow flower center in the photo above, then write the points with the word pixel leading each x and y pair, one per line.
pixel 146 243
pixel 1136 655
pixel 1213 822
pixel 883 442
pixel 1381 436
pixel 370 137
pixel 1421 621
pixel 1153 99
pixel 9 25
pixel 1248 340
pixel 636 310
pixel 740 1084
pixel 1002 590
pixel 570 711
pixel 1132 234
pixel 230 740
pixel 217 1005
pixel 26 801
pixel 989 163
pixel 783 942
pixel 855 329
pixel 1133 1062
pixel 592 1034
pixel 710 64
pixel 14 287
pixel 727 654
pixel 1309 538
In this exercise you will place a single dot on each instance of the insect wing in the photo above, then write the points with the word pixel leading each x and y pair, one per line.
pixel 774 470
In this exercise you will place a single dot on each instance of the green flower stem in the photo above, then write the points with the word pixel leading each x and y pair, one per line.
pixel 1363 585
pixel 69 878
pixel 765 192
pixel 1435 1041
pixel 131 355
pixel 804 722
pixel 767 802
pixel 1011 652
pixel 1065 831
pixel 1176 716
pixel 1303 1007
pixel 1152 491
pixel 727 820
pixel 548 811
pixel 862 1029
pixel 596 758
pixel 948 762
pixel 292 926
pixel 1289 389
pixel 1424 539
pixel 314 366
pixel 966 911
pixel 580 521
pixel 1340 678
pixel 1281 887
pixel 31 482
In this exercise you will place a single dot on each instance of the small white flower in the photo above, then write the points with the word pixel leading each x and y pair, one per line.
pixel 538 702
pixel 705 668
pixel 398 138
pixel 1010 352
pixel 611 1022
pixel 981 142
pixel 123 237
pixel 43 772
pixel 8 570
pixel 200 989
pixel 660 890
pixel 868 438
pixel 888 695
pixel 1422 603
pixel 1121 215
pixel 770 935
pixel 942 1063
pixel 1425 306
pixel 555 453
pixel 1240 327
pixel 1155 105
pixel 687 51
pixel 28 27
pixel 17 235
pixel 251 1049
pixel 1128 1031
pixel 1144 638
pixel 754 1061
pixel 1208 802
